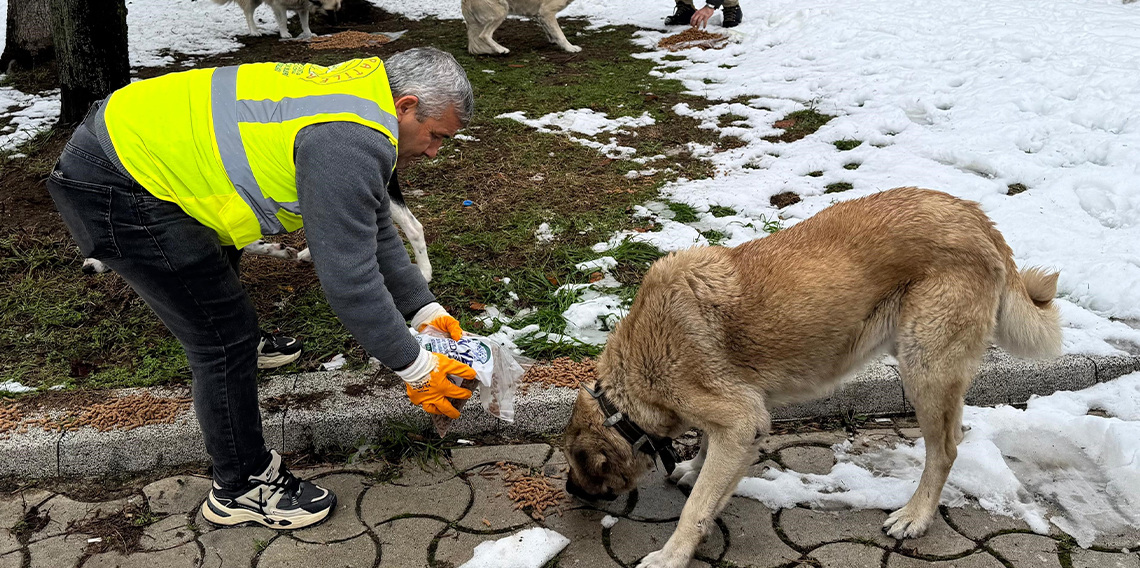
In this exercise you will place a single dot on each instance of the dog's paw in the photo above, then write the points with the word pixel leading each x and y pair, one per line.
pixel 662 559
pixel 92 266
pixel 571 48
pixel 305 35
pixel 907 523
pixel 683 469
pixel 305 256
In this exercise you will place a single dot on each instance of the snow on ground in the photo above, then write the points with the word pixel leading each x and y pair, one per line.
pixel 961 96
pixel 14 387
pixel 589 123
pixel 28 113
pixel 530 548
pixel 1050 463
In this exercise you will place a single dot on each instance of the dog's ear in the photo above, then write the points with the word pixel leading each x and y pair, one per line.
pixel 598 462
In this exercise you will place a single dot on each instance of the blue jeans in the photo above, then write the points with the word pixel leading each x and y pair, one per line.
pixel 178 266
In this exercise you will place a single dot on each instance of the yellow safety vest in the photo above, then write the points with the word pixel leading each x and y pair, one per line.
pixel 219 142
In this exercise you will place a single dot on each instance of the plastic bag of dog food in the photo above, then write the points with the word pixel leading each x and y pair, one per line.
pixel 497 373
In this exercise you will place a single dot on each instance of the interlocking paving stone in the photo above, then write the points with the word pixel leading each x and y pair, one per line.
pixel 939 540
pixel 527 454
pixel 179 494
pixel 979 560
pixel 284 552
pixel 491 504
pixel 233 547
pixel 584 529
pixel 978 523
pixel 448 500
pixel 8 541
pixel 808 459
pixel 167 533
pixel 808 528
pixel 404 542
pixel 631 540
pixel 1027 550
pixel 58 552
pixel 12 560
pixel 753 541
pixel 657 498
pixel 847 555
pixel 343 524
pixel 63 512
pixel 556 465
pixel 1092 559
pixel 778 442
pixel 1125 538
pixel 185 556
pixel 201 525
pixel 414 474
pixel 454 548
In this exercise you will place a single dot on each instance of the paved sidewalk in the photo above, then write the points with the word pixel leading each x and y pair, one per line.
pixel 436 516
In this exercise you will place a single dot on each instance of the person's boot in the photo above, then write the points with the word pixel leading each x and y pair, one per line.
pixel 732 16
pixel 273 497
pixel 681 15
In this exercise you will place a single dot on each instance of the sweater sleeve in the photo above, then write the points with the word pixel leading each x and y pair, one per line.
pixel 342 173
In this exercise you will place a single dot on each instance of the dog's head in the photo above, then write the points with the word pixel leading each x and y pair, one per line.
pixel 603 464
pixel 326 5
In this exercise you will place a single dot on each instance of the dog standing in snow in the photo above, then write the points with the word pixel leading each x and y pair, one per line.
pixel 717 336
pixel 401 215
pixel 301 7
pixel 483 17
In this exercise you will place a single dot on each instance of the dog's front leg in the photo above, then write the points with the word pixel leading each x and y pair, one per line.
pixel 303 15
pixel 554 33
pixel 414 231
pixel 282 18
pixel 729 454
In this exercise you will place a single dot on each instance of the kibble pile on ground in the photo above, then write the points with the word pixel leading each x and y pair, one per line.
pixel 119 413
pixel 348 40
pixel 693 37
pixel 531 490
pixel 561 372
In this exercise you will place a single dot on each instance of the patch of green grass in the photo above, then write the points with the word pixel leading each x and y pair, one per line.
pixel 1016 188
pixel 799 124
pixel 543 348
pixel 399 442
pixel 729 118
pixel 838 187
pixel 259 545
pixel 851 166
pixel 846 144
pixel 683 213
pixel 720 211
pixel 714 237
pixel 672 58
pixel 816 173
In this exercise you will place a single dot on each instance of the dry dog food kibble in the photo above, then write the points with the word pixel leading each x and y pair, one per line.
pixel 531 491
pixel 561 372
pixel 693 37
pixel 348 40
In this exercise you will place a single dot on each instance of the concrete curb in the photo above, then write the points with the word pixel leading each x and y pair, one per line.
pixel 318 413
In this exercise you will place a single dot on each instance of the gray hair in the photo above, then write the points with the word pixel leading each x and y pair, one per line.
pixel 435 78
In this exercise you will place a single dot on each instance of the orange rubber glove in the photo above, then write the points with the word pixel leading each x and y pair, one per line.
pixel 434 315
pixel 432 394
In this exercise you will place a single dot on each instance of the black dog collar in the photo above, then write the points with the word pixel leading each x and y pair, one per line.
pixel 655 446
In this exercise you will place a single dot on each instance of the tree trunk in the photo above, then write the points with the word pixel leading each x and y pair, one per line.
pixel 29 35
pixel 91 52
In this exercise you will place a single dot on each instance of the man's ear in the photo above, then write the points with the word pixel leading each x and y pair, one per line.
pixel 407 104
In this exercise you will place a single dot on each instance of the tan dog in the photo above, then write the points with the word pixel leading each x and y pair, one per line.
pixel 483 17
pixel 301 7
pixel 717 336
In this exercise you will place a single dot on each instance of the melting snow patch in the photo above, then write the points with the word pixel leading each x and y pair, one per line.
pixel 14 387
pixel 1050 463
pixel 609 522
pixel 531 548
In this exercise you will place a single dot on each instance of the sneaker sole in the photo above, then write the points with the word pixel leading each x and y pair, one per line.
pixel 232 518
pixel 274 361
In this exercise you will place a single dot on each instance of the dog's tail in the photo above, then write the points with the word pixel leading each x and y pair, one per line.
pixel 1028 323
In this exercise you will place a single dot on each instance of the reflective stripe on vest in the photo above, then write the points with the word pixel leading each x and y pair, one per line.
pixel 228 111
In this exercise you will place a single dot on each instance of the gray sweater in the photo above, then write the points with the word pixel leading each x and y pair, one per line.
pixel 342 177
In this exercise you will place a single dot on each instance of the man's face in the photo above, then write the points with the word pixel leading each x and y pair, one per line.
pixel 419 139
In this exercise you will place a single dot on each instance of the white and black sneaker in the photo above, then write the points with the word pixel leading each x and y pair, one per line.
pixel 276 350
pixel 274 498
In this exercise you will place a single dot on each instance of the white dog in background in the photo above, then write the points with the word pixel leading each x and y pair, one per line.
pixel 483 17
pixel 301 7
